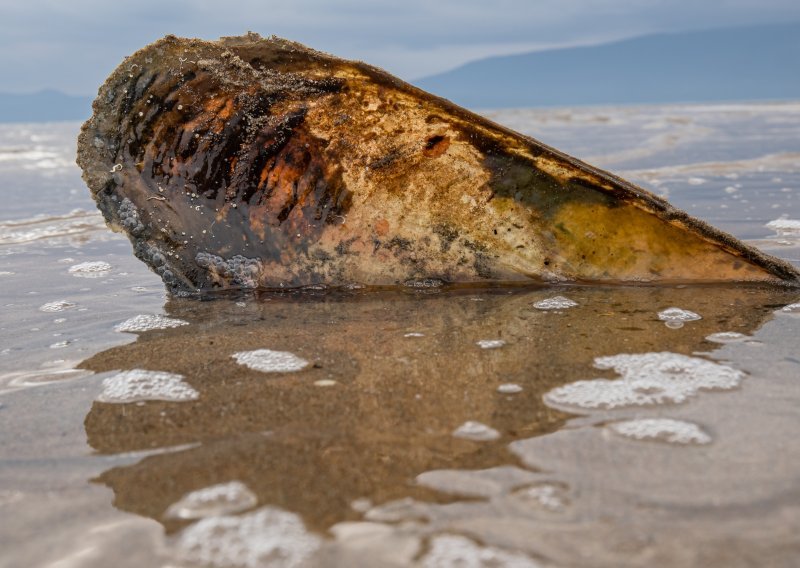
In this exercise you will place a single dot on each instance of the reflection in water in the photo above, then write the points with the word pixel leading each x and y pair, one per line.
pixel 366 430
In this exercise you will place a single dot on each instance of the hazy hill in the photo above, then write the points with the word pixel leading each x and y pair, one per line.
pixel 759 62
pixel 751 63
pixel 44 106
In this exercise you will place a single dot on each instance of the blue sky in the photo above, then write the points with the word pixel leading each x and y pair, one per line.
pixel 72 45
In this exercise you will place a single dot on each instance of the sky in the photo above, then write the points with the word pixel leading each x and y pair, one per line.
pixel 72 45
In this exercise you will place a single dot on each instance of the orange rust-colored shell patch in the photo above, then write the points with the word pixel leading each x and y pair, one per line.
pixel 435 146
pixel 382 227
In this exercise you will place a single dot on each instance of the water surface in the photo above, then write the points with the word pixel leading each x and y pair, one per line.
pixel 553 426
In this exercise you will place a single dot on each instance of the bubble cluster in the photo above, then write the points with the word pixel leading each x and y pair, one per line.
pixel 268 537
pixel 221 499
pixel 138 384
pixel 665 429
pixel 268 361
pixel 675 317
pixel 490 343
pixel 555 303
pixel 454 550
pixel 92 269
pixel 726 337
pixel 647 378
pixel 56 306
pixel 147 322
pixel 544 495
pixel 424 283
pixel 472 430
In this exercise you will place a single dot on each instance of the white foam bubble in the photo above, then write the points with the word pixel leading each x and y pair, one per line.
pixel 220 499
pixel 93 269
pixel 148 322
pixel 785 226
pixel 647 378
pixel 266 538
pixel 665 429
pixel 696 181
pixel 458 551
pixel 675 317
pixel 56 306
pixel 555 303
pixel 268 361
pixel 490 343
pixel 472 430
pixel 544 495
pixel 414 334
pixel 726 337
pixel 509 388
pixel 140 385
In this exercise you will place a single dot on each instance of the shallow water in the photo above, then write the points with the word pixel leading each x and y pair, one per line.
pixel 559 426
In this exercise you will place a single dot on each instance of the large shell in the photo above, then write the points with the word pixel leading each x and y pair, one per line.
pixel 253 162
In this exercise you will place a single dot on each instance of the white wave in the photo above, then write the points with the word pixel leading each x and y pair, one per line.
pixel 75 224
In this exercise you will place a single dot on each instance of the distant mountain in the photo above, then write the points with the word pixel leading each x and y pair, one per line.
pixel 748 63
pixel 44 106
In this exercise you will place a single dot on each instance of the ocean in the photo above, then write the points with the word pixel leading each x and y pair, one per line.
pixel 545 426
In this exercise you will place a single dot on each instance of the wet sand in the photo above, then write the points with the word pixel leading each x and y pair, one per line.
pixel 361 457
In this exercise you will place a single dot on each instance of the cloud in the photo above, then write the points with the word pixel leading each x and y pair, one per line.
pixel 73 45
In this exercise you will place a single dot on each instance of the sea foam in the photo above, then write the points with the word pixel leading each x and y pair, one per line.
pixel 555 303
pixel 138 384
pixel 268 361
pixel 147 322
pixel 268 537
pixel 646 379
pixel 93 269
pixel 664 429
pixel 455 550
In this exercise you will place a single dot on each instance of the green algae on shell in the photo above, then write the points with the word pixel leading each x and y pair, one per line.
pixel 260 163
